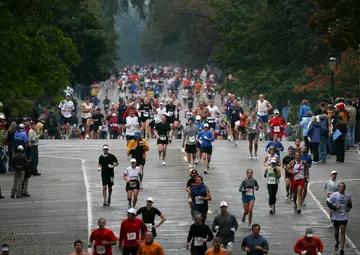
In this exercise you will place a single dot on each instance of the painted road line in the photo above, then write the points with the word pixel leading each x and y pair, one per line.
pixel 350 242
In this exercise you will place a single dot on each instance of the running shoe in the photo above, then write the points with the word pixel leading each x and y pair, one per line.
pixel 141 186
pixel 205 171
pixel 235 144
pixel 298 211
pixel 109 201
pixel 251 156
pixel 271 211
pixel 255 157
pixel 104 204
pixel 342 252
pixel 249 227
pixel 243 218
pixel 274 209
pixel 164 163
pixel 190 166
pixel 336 247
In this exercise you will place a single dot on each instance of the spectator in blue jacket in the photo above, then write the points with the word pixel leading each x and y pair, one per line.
pixel 314 133
pixel 20 137
pixel 305 126
pixel 323 138
pixel 304 108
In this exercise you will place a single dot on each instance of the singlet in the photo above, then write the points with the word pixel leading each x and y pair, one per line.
pixel 331 187
pixel 199 204
pixel 171 110
pixel 213 111
pixel 254 125
pixel 87 114
pixel 268 162
pixel 212 252
pixel 299 171
pixel 262 107
pixel 271 175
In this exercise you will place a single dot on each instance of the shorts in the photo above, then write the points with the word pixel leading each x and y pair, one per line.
pixel 190 148
pixel 297 183
pixel 140 162
pixel 84 121
pixel 198 144
pixel 130 137
pixel 130 250
pixel 233 124
pixel 212 125
pixel 207 150
pixel 242 129
pixel 253 136
pixel 247 198
pixel 340 222
pixel 65 120
pixel 135 187
pixel 144 119
pixel 107 180
pixel 121 121
pixel 95 128
pixel 52 131
pixel 265 118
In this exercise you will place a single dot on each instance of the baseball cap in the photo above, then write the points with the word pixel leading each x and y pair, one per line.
pixel 276 111
pixel 150 199
pixel 21 126
pixel 198 117
pixel 132 211
pixel 161 103
pixel 105 147
pixel 194 171
pixel 333 172
pixel 309 232
pixel 206 125
pixel 273 160
pixel 4 247
pixel 68 95
pixel 114 114
pixel 223 203
pixel 20 148
pixel 132 160
pixel 137 134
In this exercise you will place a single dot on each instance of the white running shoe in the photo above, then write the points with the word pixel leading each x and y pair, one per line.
pixel 255 157
pixel 164 163
pixel 190 165
pixel 251 156
pixel 249 227
pixel 205 171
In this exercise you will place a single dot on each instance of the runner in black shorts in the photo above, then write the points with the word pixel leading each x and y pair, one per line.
pixel 132 176
pixel 107 162
pixel 286 160
pixel 144 110
pixel 171 112
pixel 162 130
pixel 189 138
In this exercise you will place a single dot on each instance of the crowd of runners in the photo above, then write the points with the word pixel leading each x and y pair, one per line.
pixel 168 103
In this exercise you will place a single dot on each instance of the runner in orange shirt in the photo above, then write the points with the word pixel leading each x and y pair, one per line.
pixel 217 250
pixel 149 246
pixel 197 87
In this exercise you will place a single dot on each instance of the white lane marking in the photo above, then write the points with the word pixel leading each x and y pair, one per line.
pixel 327 214
pixel 87 187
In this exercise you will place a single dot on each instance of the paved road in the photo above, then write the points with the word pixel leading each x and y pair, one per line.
pixel 63 207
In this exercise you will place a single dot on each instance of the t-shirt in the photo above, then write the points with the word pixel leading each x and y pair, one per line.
pixel 105 161
pixel 146 108
pixel 97 117
pixel 253 125
pixel 66 108
pixel 247 186
pixel 307 158
pixel 148 216
pixel 99 235
pixel 191 183
pixel 170 109
pixel 343 200
pixel 252 241
pixel 162 128
pixel 191 133
pixel 151 249
pixel 133 123
pixel 287 159
pixel 133 173
pixel 214 111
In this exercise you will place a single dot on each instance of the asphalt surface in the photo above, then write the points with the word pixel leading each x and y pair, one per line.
pixel 63 207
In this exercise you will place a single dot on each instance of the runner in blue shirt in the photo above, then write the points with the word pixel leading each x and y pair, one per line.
pixel 206 138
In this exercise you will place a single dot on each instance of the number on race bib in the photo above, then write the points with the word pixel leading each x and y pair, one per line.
pixel 100 249
pixel 249 192
pixel 145 114
pixel 163 138
pixel 199 201
pixel 197 241
pixel 271 180
pixel 171 113
pixel 276 129
pixel 149 226
pixel 131 236
pixel 133 184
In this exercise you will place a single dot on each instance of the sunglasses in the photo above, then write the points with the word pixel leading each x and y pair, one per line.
pixel 271 149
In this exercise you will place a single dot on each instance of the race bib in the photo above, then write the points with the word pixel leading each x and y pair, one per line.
pixel 249 192
pixel 298 177
pixel 131 236
pixel 277 129
pixel 254 127
pixel 271 180
pixel 145 114
pixel 133 184
pixel 100 249
pixel 82 129
pixel 210 120
pixel 197 241
pixel 149 226
pixel 192 139
pixel 162 138
pixel 171 114
pixel 199 201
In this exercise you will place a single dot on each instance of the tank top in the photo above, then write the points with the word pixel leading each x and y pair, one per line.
pixel 268 162
pixel 262 107
pixel 88 114
pixel 254 125
pixel 200 204
pixel 299 171
pixel 212 252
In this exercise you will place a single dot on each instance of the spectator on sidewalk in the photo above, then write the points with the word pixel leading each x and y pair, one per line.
pixel 20 164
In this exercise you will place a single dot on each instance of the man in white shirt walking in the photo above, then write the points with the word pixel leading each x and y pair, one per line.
pixel 66 107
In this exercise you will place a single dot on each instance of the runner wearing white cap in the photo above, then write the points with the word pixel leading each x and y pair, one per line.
pixel 148 213
pixel 66 107
pixel 225 226
pixel 132 177
pixel 107 162
pixel 331 186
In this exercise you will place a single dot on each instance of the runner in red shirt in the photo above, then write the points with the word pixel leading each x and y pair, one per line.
pixel 131 106
pixel 102 238
pixel 277 125
pixel 130 238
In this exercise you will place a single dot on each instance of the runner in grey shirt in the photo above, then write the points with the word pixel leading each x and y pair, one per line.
pixel 330 187
pixel 340 203
pixel 189 138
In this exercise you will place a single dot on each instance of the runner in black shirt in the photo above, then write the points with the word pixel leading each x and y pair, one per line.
pixel 148 216
pixel 162 130
pixel 106 165
pixel 144 111
pixel 286 160
pixel 97 118
pixel 171 113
